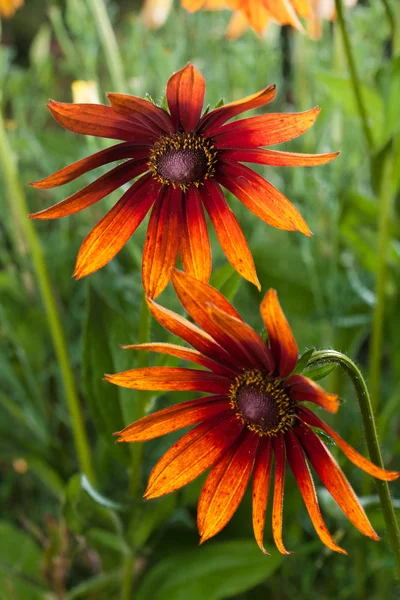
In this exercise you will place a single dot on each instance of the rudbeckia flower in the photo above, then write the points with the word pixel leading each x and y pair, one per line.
pixel 8 7
pixel 181 160
pixel 256 413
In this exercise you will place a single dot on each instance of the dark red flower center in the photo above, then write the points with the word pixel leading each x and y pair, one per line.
pixel 262 403
pixel 182 159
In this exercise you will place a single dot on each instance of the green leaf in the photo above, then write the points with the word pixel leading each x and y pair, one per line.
pixel 319 372
pixel 99 498
pixel 226 280
pixel 218 570
pixel 303 361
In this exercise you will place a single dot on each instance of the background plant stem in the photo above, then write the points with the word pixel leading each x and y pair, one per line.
pixel 20 211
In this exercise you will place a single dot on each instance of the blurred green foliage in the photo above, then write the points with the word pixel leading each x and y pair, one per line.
pixel 62 538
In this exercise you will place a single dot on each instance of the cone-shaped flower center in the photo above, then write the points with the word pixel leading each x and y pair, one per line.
pixel 262 403
pixel 182 159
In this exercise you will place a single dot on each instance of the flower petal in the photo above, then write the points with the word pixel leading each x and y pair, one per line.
pixel 225 486
pixel 264 130
pixel 228 231
pixel 277 506
pixel 275 158
pixel 173 418
pixel 104 157
pixel 283 12
pixel 185 354
pixel 162 241
pixel 193 454
pixel 95 191
pixel 262 198
pixel 185 97
pixel 100 121
pixel 283 345
pixel 147 113
pixel 217 117
pixel 303 389
pixel 334 479
pixel 304 480
pixel 189 332
pixel 170 378
pixel 194 242
pixel 113 231
pixel 261 477
pixel 307 416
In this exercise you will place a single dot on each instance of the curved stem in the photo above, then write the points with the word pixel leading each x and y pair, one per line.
pixel 354 76
pixel 371 434
pixel 390 16
pixel 20 211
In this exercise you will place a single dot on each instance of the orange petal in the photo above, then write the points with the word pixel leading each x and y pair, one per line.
pixel 275 158
pixel 237 25
pixel 283 12
pixel 277 506
pixel 185 354
pixel 307 416
pixel 192 5
pixel 144 111
pixel 228 231
pixel 170 378
pixel 256 14
pixel 162 241
pixel 194 242
pixel 113 231
pixel 261 477
pixel 190 333
pixel 225 486
pixel 334 479
pixel 304 480
pixel 262 198
pixel 185 97
pixel 282 342
pixel 104 157
pixel 100 121
pixel 193 454
pixel 173 418
pixel 217 117
pixel 245 338
pixel 306 390
pixel 264 130
pixel 95 191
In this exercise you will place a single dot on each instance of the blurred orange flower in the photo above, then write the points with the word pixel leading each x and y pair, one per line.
pixel 8 7
pixel 256 412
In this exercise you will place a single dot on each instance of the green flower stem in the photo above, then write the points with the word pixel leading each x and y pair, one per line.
pixel 371 434
pixel 386 200
pixel 110 46
pixel 390 16
pixel 19 210
pixel 66 45
pixel 354 76
pixel 127 577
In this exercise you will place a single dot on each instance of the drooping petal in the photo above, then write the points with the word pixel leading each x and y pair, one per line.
pixel 261 478
pixel 304 480
pixel 104 157
pixel 190 333
pixel 225 486
pixel 262 198
pixel 147 113
pixel 275 158
pixel 283 12
pixel 194 242
pixel 242 334
pixel 173 418
pixel 185 97
pixel 92 193
pixel 307 416
pixel 162 241
pixel 170 378
pixel 334 479
pixel 264 130
pixel 100 121
pixel 217 117
pixel 303 389
pixel 228 230
pixel 193 454
pixel 192 5
pixel 283 345
pixel 113 231
pixel 185 354
pixel 277 506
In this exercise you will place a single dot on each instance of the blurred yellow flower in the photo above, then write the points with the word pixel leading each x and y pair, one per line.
pixel 8 7
pixel 155 12
pixel 85 92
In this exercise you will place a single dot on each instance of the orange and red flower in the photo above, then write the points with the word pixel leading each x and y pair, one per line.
pixel 181 160
pixel 256 412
